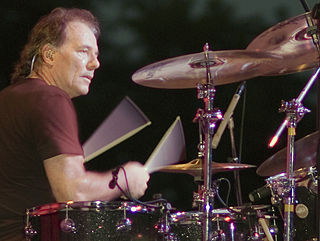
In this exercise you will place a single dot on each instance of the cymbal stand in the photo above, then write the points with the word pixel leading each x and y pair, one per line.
pixel 209 117
pixel 198 196
pixel 313 31
pixel 294 113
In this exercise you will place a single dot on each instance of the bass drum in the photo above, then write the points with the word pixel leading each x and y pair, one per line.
pixel 96 221
pixel 306 191
pixel 230 224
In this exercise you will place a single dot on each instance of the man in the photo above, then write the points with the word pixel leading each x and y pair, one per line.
pixel 41 159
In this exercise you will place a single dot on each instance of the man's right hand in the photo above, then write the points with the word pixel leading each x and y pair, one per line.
pixel 137 178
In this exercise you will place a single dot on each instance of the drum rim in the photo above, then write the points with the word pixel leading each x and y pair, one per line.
pixel 299 174
pixel 51 208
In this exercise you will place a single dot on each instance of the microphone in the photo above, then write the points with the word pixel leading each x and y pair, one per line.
pixel 227 115
pixel 260 193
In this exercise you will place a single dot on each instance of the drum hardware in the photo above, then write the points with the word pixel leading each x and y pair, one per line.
pixel 198 197
pixel 273 228
pixel 303 177
pixel 125 223
pixel 197 202
pixel 195 169
pixel 313 184
pixel 304 211
pixel 208 121
pixel 164 229
pixel 312 29
pixel 234 223
pixel 298 42
pixel 254 216
pixel 199 70
pixel 163 225
pixel 67 225
pixel 29 232
pixel 219 234
pixel 294 39
pixel 294 113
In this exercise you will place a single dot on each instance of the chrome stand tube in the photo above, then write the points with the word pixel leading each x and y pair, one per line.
pixel 207 119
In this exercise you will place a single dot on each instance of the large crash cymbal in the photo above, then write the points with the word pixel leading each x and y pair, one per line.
pixel 289 40
pixel 194 168
pixel 305 156
pixel 187 71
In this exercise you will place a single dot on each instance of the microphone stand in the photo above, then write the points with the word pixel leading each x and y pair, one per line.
pixel 235 159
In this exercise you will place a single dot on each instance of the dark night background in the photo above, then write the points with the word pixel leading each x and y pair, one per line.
pixel 141 32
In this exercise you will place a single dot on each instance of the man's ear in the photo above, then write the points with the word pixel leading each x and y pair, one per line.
pixel 48 52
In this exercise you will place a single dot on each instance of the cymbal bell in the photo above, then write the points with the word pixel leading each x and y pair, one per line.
pixel 305 156
pixel 290 40
pixel 187 71
pixel 194 168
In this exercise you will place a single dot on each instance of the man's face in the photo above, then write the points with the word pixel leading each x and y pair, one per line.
pixel 76 60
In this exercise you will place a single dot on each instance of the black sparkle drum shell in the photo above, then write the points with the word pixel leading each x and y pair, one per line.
pixel 94 221
pixel 230 224
pixel 306 191
pixel 305 220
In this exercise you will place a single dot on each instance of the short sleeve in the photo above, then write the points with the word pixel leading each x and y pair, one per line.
pixel 55 126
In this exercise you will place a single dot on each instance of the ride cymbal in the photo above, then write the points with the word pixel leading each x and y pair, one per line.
pixel 194 167
pixel 305 156
pixel 290 40
pixel 187 71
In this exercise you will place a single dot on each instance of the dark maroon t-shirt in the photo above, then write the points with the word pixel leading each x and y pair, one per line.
pixel 37 121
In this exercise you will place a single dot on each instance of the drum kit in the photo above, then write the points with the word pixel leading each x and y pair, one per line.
pixel 285 48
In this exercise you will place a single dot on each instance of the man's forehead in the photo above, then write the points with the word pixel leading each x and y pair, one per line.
pixel 77 26
pixel 77 31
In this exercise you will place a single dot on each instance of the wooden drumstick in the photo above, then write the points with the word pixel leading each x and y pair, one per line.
pixel 265 227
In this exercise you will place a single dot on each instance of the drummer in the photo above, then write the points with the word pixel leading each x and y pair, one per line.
pixel 41 158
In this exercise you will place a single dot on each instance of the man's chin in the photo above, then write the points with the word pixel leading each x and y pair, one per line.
pixel 83 91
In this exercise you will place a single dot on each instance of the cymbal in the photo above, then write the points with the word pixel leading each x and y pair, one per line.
pixel 305 153
pixel 194 167
pixel 187 71
pixel 289 40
